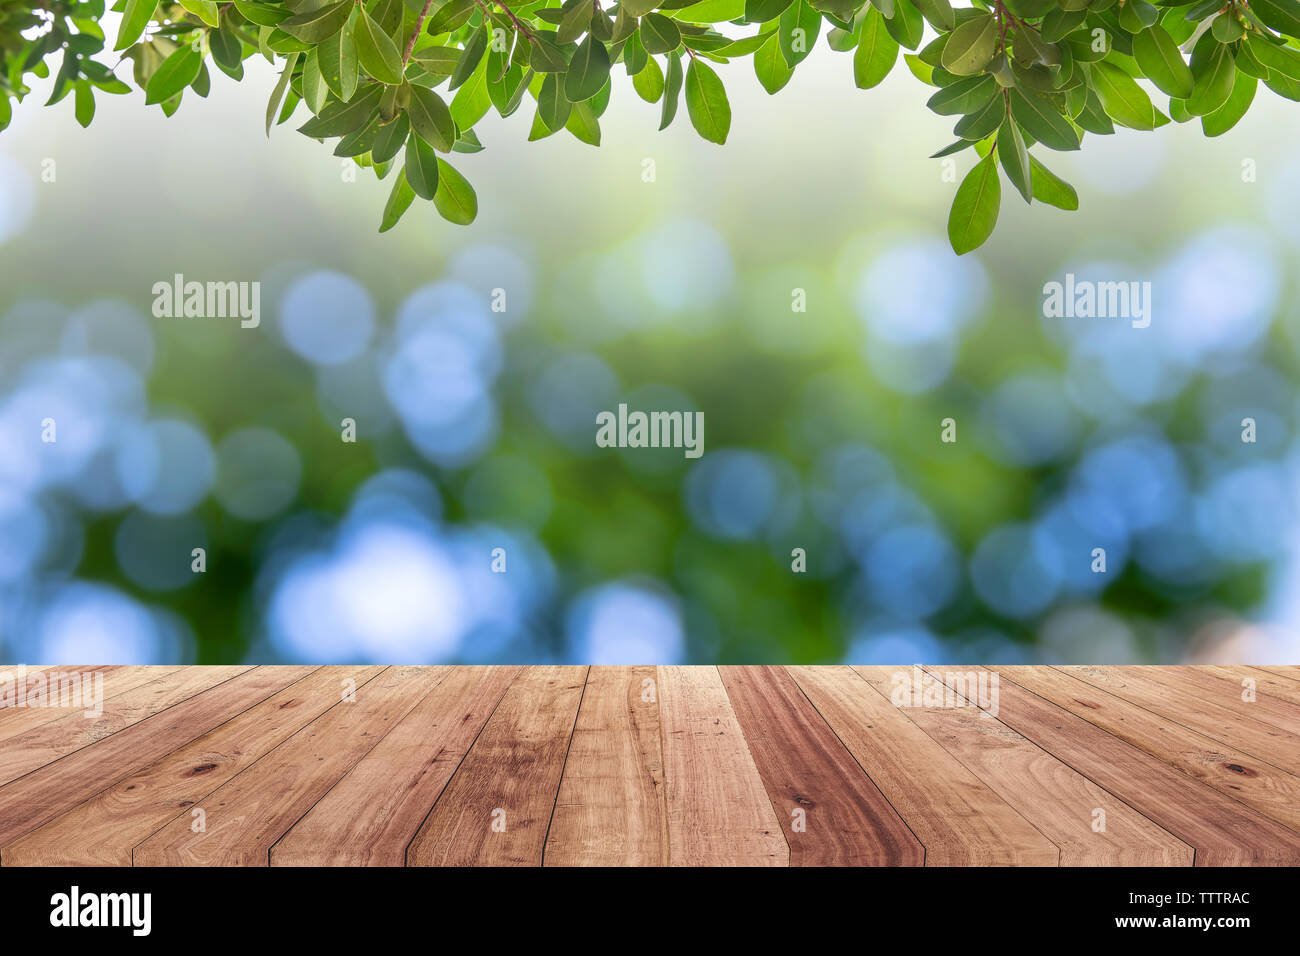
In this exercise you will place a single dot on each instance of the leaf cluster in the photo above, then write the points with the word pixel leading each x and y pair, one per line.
pixel 399 85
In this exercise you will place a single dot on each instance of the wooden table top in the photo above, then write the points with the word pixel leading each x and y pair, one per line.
pixel 575 765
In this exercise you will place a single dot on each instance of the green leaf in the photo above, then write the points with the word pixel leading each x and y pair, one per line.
pixel 421 167
pixel 1228 115
pixel 649 83
pixel 771 67
pixel 965 96
pixel 205 10
pixel 971 45
pixel 83 104
pixel 938 13
pixel 1214 73
pixel 975 207
pixel 659 34
pixel 263 14
pixel 763 11
pixel 317 25
pixel 438 60
pixel 339 119
pixel 906 25
pixel 376 51
pixel 588 70
pixel 1158 56
pixel 672 90
pixel 583 123
pixel 390 139
pixel 983 121
pixel 1015 158
pixel 1051 189
pixel 1041 120
pixel 399 200
pixel 706 102
pixel 1282 15
pixel 546 57
pixel 552 105
pixel 135 18
pixel 473 100
pixel 431 119
pixel 797 32
pixel 1279 59
pixel 177 72
pixel 314 90
pixel 876 54
pixel 1124 101
pixel 337 58
pixel 455 199
pixel 469 59
pixel 277 94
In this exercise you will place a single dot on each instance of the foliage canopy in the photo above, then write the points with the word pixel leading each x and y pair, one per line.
pixel 399 84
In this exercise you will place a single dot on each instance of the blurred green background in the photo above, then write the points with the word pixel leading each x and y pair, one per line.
pixel 476 428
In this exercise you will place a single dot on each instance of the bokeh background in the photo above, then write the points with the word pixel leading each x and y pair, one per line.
pixel 476 429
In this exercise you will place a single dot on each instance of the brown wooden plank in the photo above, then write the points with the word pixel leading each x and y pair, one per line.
pixel 958 818
pixel 103 830
pixel 1163 694
pixel 1266 682
pixel 117 678
pixel 498 805
pixel 248 813
pixel 719 813
pixel 43 794
pixel 369 816
pixel 610 810
pixel 1288 671
pixel 1228 693
pixel 1089 825
pixel 843 818
pixel 1273 792
pixel 48 742
pixel 1223 831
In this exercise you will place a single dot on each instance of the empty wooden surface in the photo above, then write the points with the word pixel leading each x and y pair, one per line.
pixel 571 765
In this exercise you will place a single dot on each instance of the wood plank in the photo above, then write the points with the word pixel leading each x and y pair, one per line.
pixel 1228 692
pixel 103 830
pixel 1060 802
pixel 1225 724
pixel 48 742
pixel 369 816
pixel 248 813
pixel 1223 831
pixel 719 813
pixel 1288 671
pixel 498 805
pixel 33 800
pixel 117 678
pixel 1265 681
pixel 610 810
pixel 958 818
pixel 1273 792
pixel 845 819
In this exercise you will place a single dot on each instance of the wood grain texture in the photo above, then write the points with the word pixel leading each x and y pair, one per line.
pixel 43 794
pixel 16 720
pixel 49 741
pixel 370 816
pixel 719 813
pixel 497 808
pixel 1164 694
pixel 244 816
pixel 1223 831
pixel 103 830
pixel 1060 802
pixel 1228 693
pixel 611 810
pixel 958 819
pixel 844 819
pixel 651 765
pixel 1273 792
pixel 1288 671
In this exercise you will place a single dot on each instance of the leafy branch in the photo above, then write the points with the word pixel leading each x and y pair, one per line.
pixel 402 84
